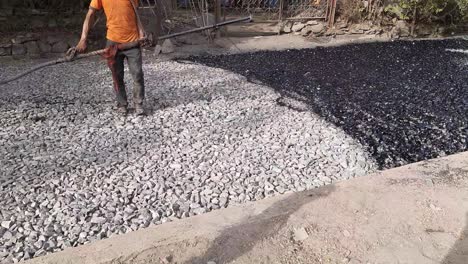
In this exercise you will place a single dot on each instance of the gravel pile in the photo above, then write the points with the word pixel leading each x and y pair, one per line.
pixel 72 170
pixel 404 101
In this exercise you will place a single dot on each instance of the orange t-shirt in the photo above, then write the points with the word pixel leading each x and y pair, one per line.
pixel 122 24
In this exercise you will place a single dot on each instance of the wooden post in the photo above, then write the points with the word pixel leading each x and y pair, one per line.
pixel 217 16
pixel 334 12
pixel 415 19
pixel 327 11
pixel 280 16
pixel 331 14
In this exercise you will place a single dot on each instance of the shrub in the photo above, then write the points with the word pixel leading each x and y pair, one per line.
pixel 445 11
pixel 352 10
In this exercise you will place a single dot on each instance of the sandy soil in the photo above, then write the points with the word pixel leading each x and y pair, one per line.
pixel 409 217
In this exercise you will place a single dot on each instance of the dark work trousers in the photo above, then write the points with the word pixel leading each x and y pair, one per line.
pixel 135 62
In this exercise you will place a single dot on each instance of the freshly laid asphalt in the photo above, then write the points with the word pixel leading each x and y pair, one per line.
pixel 406 101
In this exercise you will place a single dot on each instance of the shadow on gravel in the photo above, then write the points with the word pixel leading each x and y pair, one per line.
pixel 459 252
pixel 404 101
pixel 238 240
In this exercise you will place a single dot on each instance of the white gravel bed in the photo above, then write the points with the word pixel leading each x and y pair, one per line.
pixel 72 170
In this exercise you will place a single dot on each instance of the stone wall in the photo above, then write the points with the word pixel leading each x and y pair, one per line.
pixel 18 15
pixel 47 34
pixel 393 29
pixel 36 33
pixel 37 45
pixel 20 19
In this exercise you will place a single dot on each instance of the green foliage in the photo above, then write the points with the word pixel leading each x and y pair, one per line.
pixel 397 10
pixel 353 10
pixel 429 10
pixel 463 6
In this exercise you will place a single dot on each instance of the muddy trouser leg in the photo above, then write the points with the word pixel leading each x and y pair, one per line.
pixel 120 91
pixel 117 70
pixel 135 65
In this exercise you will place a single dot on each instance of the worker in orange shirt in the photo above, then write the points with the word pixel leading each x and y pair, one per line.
pixel 123 26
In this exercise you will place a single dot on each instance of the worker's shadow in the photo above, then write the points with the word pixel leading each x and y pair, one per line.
pixel 237 240
pixel 459 252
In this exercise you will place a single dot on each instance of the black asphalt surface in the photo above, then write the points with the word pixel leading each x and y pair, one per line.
pixel 406 101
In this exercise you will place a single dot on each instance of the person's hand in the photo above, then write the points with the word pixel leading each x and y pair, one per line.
pixel 146 40
pixel 81 47
pixel 141 34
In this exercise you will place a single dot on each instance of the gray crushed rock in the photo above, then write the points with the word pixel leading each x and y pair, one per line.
pixel 72 170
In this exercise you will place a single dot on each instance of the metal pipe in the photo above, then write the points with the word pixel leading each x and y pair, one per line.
pixel 123 46
pixel 304 18
pixel 195 30
pixel 291 19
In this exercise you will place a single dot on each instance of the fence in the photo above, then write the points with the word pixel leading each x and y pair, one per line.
pixel 265 9
pixel 32 14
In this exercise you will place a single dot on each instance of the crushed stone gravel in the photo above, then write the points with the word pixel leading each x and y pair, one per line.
pixel 72 170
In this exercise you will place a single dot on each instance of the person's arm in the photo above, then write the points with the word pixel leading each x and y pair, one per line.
pixel 141 31
pixel 86 27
